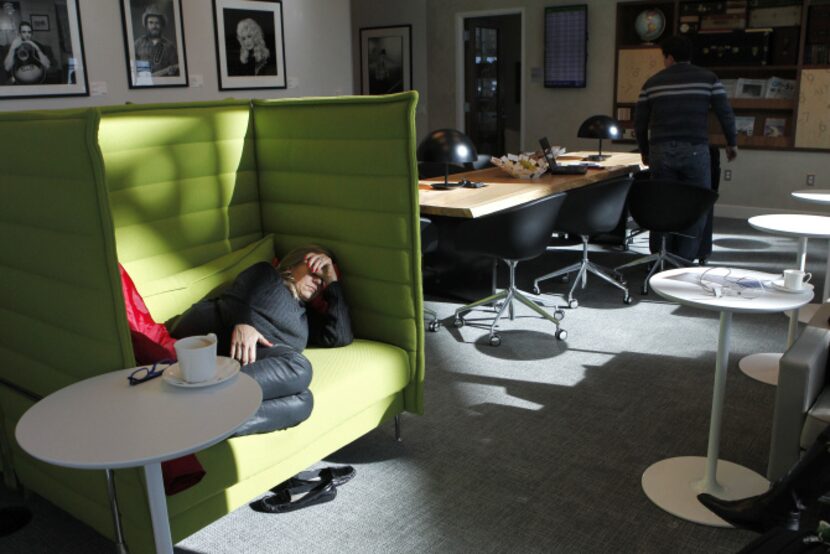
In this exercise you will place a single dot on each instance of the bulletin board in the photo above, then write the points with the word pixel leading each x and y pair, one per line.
pixel 813 124
pixel 634 67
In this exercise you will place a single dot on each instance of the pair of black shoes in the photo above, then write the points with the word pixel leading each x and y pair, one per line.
pixel 307 488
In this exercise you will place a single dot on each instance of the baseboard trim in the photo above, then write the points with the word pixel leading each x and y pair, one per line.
pixel 745 212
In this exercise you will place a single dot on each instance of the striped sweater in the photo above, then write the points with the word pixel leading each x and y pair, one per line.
pixel 674 105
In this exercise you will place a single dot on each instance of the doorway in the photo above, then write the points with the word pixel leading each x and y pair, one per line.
pixel 492 69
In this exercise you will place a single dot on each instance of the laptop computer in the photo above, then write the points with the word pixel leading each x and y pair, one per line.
pixel 556 169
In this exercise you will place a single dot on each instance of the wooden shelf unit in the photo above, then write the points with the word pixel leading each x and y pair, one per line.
pixel 636 61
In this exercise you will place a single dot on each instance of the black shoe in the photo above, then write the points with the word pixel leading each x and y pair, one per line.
pixel 288 499
pixel 755 513
pixel 308 479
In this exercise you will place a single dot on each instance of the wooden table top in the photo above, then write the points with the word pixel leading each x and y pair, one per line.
pixel 502 191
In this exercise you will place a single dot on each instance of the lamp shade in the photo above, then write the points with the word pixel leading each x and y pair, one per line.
pixel 447 146
pixel 600 127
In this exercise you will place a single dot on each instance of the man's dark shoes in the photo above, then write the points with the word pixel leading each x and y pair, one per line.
pixel 289 499
pixel 309 479
pixel 13 518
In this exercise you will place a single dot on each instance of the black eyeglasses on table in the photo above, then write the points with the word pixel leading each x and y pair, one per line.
pixel 146 373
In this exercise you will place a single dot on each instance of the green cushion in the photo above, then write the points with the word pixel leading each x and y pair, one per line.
pixel 172 295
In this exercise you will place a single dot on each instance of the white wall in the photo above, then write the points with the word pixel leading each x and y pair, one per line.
pixel 761 179
pixel 317 50
pixel 388 13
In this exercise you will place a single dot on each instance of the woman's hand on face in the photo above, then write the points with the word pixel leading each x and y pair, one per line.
pixel 322 265
pixel 243 343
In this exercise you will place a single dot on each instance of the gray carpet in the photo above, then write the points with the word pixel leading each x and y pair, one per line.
pixel 533 446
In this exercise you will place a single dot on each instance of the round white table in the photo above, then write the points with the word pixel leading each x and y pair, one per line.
pixel 114 425
pixel 764 366
pixel 821 197
pixel 673 484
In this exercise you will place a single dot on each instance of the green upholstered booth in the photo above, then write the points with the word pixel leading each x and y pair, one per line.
pixel 186 196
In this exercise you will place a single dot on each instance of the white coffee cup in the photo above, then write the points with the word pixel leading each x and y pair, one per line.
pixel 197 357
pixel 794 279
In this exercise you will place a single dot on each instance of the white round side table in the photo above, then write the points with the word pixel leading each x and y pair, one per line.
pixel 115 425
pixel 821 197
pixel 673 484
pixel 764 366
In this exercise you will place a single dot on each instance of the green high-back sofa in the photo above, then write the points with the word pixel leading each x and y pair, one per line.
pixel 186 196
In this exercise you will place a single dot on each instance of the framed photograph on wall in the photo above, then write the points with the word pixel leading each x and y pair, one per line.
pixel 154 43
pixel 385 59
pixel 38 59
pixel 250 44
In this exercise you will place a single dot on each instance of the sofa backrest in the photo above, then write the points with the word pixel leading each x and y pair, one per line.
pixel 342 173
pixel 182 184
pixel 61 309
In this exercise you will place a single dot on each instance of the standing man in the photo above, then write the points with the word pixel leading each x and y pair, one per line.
pixel 153 52
pixel 671 121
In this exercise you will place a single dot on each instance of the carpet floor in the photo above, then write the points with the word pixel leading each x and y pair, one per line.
pixel 536 445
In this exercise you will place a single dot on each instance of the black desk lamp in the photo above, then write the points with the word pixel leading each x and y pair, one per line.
pixel 599 127
pixel 447 146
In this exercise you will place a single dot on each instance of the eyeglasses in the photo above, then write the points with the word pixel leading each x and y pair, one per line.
pixel 147 373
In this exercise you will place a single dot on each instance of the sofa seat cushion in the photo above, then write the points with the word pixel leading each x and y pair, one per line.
pixel 818 418
pixel 172 295
pixel 345 382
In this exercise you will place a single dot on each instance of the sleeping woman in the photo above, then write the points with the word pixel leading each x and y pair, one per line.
pixel 262 321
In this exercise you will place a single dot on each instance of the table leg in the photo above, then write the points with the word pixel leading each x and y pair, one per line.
pixel 673 484
pixel 158 509
pixel 806 313
pixel 801 258
pixel 120 547
pixel 826 292
pixel 710 479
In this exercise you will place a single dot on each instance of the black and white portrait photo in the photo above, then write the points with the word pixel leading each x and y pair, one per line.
pixel 41 50
pixel 385 59
pixel 154 42
pixel 249 44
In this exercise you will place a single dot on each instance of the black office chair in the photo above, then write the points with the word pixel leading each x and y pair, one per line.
pixel 590 210
pixel 669 207
pixel 512 235
pixel 429 243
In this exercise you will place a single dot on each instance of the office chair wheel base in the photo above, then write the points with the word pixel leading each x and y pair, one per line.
pixel 645 290
pixel 561 334
pixel 458 322
pixel 566 278
pixel 558 315
pixel 495 340
pixel 434 326
pixel 536 290
pixel 573 303
pixel 627 299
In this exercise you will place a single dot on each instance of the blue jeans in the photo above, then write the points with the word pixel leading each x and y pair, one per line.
pixel 690 164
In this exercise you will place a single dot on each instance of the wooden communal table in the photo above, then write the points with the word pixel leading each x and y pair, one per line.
pixel 502 191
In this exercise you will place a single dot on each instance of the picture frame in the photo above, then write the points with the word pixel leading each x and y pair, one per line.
pixel 250 44
pixel 745 125
pixel 385 59
pixel 750 88
pixel 39 22
pixel 154 43
pixel 47 62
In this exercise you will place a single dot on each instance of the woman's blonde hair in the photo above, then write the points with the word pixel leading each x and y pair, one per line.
pixel 260 50
pixel 296 257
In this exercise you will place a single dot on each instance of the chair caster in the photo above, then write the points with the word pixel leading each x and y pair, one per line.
pixel 558 315
pixel 566 278
pixel 495 340
pixel 536 290
pixel 627 299
pixel 434 326
pixel 458 322
pixel 561 334
pixel 573 303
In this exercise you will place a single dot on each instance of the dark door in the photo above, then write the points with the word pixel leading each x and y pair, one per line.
pixel 492 72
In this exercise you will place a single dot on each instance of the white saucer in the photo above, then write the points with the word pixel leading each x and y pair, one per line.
pixel 225 369
pixel 778 284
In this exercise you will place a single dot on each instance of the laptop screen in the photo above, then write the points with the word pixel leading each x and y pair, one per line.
pixel 543 142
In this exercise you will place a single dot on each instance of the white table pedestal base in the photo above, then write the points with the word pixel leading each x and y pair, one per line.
pixel 761 367
pixel 806 313
pixel 673 484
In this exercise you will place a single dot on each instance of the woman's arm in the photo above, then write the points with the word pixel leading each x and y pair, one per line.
pixel 334 326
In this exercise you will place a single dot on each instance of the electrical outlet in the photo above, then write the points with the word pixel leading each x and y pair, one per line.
pixel 811 180
pixel 727 174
